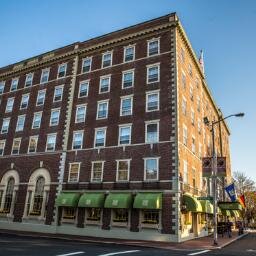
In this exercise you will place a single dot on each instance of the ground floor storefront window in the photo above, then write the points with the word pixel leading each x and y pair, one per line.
pixel 120 217
pixel 68 214
pixel 93 214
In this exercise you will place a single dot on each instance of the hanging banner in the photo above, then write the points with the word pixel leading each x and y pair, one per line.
pixel 230 189
pixel 241 200
pixel 207 168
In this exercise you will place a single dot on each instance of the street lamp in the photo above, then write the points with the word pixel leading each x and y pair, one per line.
pixel 214 170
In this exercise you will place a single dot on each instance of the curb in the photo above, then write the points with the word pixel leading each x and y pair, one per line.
pixel 230 242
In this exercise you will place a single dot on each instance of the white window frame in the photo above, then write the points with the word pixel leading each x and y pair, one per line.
pixel 185 129
pixel 148 123
pixel 192 117
pixel 55 89
pixel 125 48
pixel 16 129
pixel 193 145
pixel 105 135
pixel 41 114
pixel 111 59
pixel 119 134
pixel 83 60
pixel 150 41
pixel 185 173
pixel 151 66
pixel 26 80
pixel 19 140
pixel 88 85
pixel 48 135
pixel 121 104
pixel 30 138
pixel 85 110
pixel 2 87
pixel 7 110
pixel 184 106
pixel 82 139
pixel 102 170
pixel 14 79
pixel 97 114
pixel 54 110
pixel 44 90
pixel 65 72
pixel 158 100
pixel 157 164
pixel 3 148
pixel 128 171
pixel 102 78
pixel 8 119
pixel 27 94
pixel 123 74
pixel 48 70
pixel 78 174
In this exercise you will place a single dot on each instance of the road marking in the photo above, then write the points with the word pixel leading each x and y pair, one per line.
pixel 69 254
pixel 251 250
pixel 201 252
pixel 117 253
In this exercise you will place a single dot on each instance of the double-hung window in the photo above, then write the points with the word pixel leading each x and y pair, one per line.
pixel 124 134
pixel 97 171
pixel 126 106
pixel 128 79
pixel 16 146
pixel 14 84
pixel 51 142
pixel 77 140
pixel 151 169
pixel 9 105
pixel 193 147
pixel 2 146
pixel 102 109
pixel 185 135
pixel 32 144
pixel 129 53
pixel 44 76
pixel 192 117
pixel 80 113
pixel 152 101
pixel 100 137
pixel 152 131
pixel 2 84
pixel 86 65
pixel 184 106
pixel 104 84
pixel 123 169
pixel 37 120
pixel 40 97
pixel 183 80
pixel 58 91
pixel 153 47
pixel 24 101
pixel 5 125
pixel 20 123
pixel 185 172
pixel 153 73
pixel 55 116
pixel 74 170
pixel 83 89
pixel 106 59
pixel 62 70
pixel 29 79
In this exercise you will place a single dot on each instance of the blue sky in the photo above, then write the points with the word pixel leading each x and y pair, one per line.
pixel 224 29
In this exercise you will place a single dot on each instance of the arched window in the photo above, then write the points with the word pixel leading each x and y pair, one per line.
pixel 38 196
pixel 9 195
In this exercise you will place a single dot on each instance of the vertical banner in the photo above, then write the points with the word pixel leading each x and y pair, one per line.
pixel 207 167
pixel 241 200
pixel 230 189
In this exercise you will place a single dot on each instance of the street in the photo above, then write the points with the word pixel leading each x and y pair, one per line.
pixel 12 245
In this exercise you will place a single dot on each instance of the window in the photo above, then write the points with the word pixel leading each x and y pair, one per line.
pixel 128 79
pixel 9 105
pixel 8 200
pixel 51 141
pixel 29 79
pixel 199 126
pixel 2 84
pixel 14 84
pixel 5 125
pixel 83 89
pixel 32 144
pixel 93 214
pixel 185 135
pixel 97 171
pixel 80 113
pixel 100 137
pixel 152 132
pixel 150 217
pixel 62 70
pixel 104 84
pixel 106 59
pixel 2 146
pixel 184 106
pixel 192 117
pixel 120 216
pixel 153 73
pixel 185 172
pixel 68 214
pixel 40 97
pixel 102 109
pixel 86 65
pixel 126 106
pixel 37 120
pixel 183 80
pixel 55 115
pixel 20 123
pixel 190 71
pixel 124 135
pixel 16 146
pixel 77 140
pixel 74 169
pixel 58 91
pixel 198 104
pixel 193 147
pixel 129 53
pixel 123 167
pixel 38 196
pixel 182 55
pixel 45 76
pixel 24 101
pixel 197 83
pixel 191 92
pixel 200 151
pixel 153 47
pixel 152 101
pixel 151 169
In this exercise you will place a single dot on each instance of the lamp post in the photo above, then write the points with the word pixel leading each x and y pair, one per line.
pixel 214 170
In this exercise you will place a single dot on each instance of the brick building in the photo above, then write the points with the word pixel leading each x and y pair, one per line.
pixel 106 135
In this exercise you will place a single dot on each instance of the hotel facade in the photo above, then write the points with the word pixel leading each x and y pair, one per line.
pixel 106 137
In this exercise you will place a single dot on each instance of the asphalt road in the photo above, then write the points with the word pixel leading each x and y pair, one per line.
pixel 12 245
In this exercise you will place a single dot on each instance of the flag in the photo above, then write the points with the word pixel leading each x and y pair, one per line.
pixel 241 200
pixel 230 189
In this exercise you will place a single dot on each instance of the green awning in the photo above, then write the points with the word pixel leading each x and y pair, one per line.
pixel 230 206
pixel 207 206
pixel 226 213
pixel 148 201
pixel 118 200
pixel 92 200
pixel 192 204
pixel 235 213
pixel 67 199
